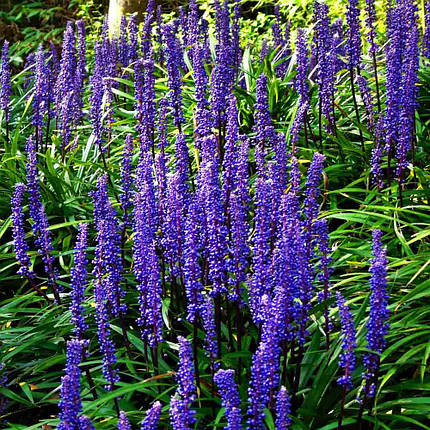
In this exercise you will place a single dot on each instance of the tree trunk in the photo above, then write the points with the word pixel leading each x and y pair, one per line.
pixel 118 8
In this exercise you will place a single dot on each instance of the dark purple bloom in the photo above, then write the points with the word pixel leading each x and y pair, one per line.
pixel 102 288
pixel 203 115
pixel 367 100
pixel 353 41
pixel 70 404
pixel 216 232
pixel 146 266
pixel 265 133
pixel 264 51
pixel 40 220
pixel 123 42
pixel 133 47
pixel 96 96
pixel 123 423
pixel 276 28
pixel 258 391
pixel 80 70
pixel 110 263
pixel 347 357
pixel 85 423
pixel 301 82
pixel 41 98
pixel 79 282
pixel 181 416
pixel 370 23
pixel 312 193
pixel 261 282
pixel 185 372
pixel 19 242
pixel 174 61
pixel 5 85
pixel 377 326
pixel 126 179
pixel 160 158
pixel 209 327
pixel 152 417
pixel 409 92
pixel 283 410
pixel 229 398
pixel 66 77
pixel 325 53
pixel 192 270
pixel 146 45
pixel 238 210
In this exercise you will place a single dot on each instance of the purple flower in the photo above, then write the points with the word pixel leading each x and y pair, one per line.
pixel 203 115
pixel 133 47
pixel 209 327
pixel 192 270
pixel 126 179
pixel 102 289
pixel 238 210
pixel 283 409
pixel 110 263
pixel 263 124
pixel 353 41
pixel 261 282
pixel 40 225
pixel 347 357
pixel 96 96
pixel 181 416
pixel 79 282
pixel 312 193
pixel 367 100
pixel 152 417
pixel 301 81
pixel 19 242
pixel 258 392
pixel 41 98
pixel 377 326
pixel 174 61
pixel 185 372
pixel 216 232
pixel 70 404
pixel 85 423
pixel 370 23
pixel 5 86
pixel 229 398
pixel 146 45
pixel 123 423
pixel 80 70
pixel 146 267
pixel 66 77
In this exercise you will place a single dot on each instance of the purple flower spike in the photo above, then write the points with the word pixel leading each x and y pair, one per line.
pixel 70 404
pixel 79 283
pixel 181 416
pixel 283 410
pixel 40 220
pixel 5 86
pixel 19 242
pixel 123 423
pixel 126 179
pixel 102 288
pixel 377 327
pixel 174 61
pixel 152 417
pixel 347 357
pixel 353 41
pixel 229 398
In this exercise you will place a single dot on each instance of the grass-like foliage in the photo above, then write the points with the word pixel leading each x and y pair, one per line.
pixel 202 230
